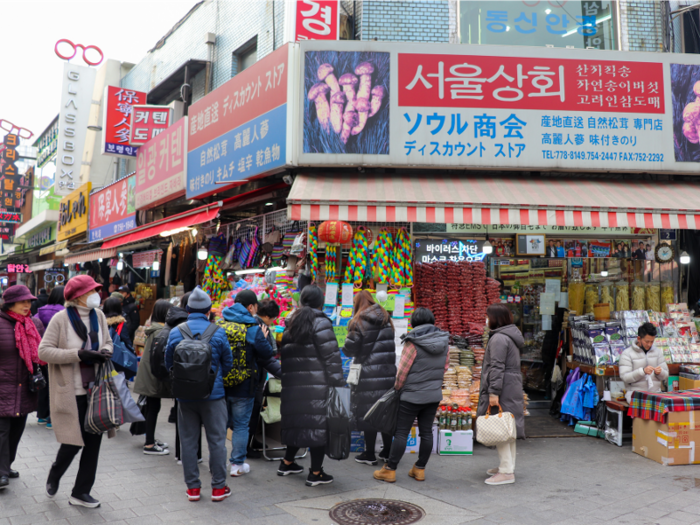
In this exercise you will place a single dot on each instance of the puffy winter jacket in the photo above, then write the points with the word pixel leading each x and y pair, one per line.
pixel 371 344
pixel 633 361
pixel 221 358
pixel 15 397
pixel 46 313
pixel 308 369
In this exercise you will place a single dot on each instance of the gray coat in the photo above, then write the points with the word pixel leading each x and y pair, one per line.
pixel 501 376
pixel 424 382
pixel 146 383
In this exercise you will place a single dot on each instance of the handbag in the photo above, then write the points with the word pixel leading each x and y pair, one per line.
pixel 384 412
pixel 37 381
pixel 124 360
pixel 104 410
pixel 139 429
pixel 492 430
pixel 338 423
pixel 132 413
pixel 354 374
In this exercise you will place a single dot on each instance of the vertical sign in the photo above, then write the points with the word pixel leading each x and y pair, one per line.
pixel 116 128
pixel 10 177
pixel 148 122
pixel 161 167
pixel 112 209
pixel 76 99
pixel 317 20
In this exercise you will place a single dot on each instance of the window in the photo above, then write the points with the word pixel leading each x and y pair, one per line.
pixel 539 23
pixel 245 56
pixel 691 32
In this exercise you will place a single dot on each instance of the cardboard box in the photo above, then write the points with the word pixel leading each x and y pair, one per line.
pixel 357 441
pixel 456 443
pixel 687 384
pixel 413 442
pixel 670 443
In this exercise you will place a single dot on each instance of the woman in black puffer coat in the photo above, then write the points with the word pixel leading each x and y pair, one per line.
pixel 311 364
pixel 371 343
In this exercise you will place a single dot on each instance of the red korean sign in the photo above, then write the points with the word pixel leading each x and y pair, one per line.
pixel 147 122
pixel 161 167
pixel 463 81
pixel 116 129
pixel 112 210
pixel 317 19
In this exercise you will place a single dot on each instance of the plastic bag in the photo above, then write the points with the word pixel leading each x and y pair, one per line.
pixel 139 429
pixel 132 413
pixel 382 416
pixel 338 423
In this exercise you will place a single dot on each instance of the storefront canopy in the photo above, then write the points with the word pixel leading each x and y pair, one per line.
pixel 183 220
pixel 90 255
pixel 496 200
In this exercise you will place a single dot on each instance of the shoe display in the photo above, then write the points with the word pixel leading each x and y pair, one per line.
pixel 501 479
pixel 194 494
pixel 239 470
pixel 417 473
pixel 156 450
pixel 318 479
pixel 286 470
pixel 13 474
pixel 385 474
pixel 84 500
pixel 220 494
pixel 366 459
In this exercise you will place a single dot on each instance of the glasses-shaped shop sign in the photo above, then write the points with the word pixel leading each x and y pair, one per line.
pixel 54 278
pixel 69 50
pixel 11 128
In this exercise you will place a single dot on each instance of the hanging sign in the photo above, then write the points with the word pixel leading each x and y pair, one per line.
pixel 316 20
pixel 147 122
pixel 434 250
pixel 116 126
pixel 112 209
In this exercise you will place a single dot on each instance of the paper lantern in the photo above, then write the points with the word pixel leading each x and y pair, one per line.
pixel 335 232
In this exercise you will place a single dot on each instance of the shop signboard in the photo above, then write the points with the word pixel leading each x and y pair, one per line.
pixel 239 130
pixel 10 176
pixel 40 238
pixel 10 217
pixel 46 144
pixel 315 19
pixel 502 229
pixel 76 101
pixel 428 250
pixel 145 259
pixel 73 217
pixel 113 209
pixel 147 122
pixel 161 166
pixel 116 127
pixel 16 268
pixel 450 106
pixel 7 232
pixel 54 277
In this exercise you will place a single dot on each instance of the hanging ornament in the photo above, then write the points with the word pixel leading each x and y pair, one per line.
pixel 335 232
pixel 331 262
pixel 402 268
pixel 358 259
pixel 383 250
pixel 313 251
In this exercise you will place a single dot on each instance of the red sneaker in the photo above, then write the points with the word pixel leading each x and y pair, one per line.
pixel 220 494
pixel 193 494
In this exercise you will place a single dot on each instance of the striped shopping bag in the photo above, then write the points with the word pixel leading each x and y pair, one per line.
pixel 104 410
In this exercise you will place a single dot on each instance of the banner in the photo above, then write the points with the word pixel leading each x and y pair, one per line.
pixel 450 106
pixel 112 209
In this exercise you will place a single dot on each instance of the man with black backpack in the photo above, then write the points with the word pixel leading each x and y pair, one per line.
pixel 251 351
pixel 198 356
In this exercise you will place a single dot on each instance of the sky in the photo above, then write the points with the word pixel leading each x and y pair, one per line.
pixel 124 30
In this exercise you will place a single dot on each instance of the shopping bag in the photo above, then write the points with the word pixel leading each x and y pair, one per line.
pixel 382 416
pixel 104 410
pixel 338 423
pixel 124 360
pixel 272 412
pixel 139 429
pixel 132 413
pixel 497 429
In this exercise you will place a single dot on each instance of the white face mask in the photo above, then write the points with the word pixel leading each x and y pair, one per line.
pixel 93 301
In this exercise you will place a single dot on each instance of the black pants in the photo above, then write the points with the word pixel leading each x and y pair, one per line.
pixel 152 411
pixel 371 442
pixel 317 454
pixel 44 410
pixel 11 430
pixel 177 440
pixel 88 458
pixel 408 412
pixel 255 416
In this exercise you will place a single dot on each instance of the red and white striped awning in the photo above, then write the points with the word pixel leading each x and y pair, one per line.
pixel 90 255
pixel 497 200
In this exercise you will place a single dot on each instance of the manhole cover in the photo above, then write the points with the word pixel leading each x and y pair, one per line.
pixel 372 511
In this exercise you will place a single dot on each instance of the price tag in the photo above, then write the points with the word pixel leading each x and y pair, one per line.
pixel 510 298
pixel 518 299
pixel 347 294
pixel 331 294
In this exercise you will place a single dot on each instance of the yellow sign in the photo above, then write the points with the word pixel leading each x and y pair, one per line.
pixel 73 217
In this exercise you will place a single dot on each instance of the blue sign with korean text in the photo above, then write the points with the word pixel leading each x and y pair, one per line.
pixel 256 147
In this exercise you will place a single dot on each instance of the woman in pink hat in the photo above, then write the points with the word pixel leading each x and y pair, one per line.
pixel 76 341
pixel 20 335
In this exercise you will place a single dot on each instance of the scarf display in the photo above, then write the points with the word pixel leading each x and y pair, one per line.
pixel 27 339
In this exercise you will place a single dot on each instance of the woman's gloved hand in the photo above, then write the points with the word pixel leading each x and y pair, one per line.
pixel 90 356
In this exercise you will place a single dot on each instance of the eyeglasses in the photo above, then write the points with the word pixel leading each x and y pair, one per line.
pixel 75 51
pixel 8 126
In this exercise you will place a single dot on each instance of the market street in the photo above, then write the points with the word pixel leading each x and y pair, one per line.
pixel 580 480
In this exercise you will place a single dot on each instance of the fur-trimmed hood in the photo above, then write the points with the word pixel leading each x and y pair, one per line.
pixel 117 319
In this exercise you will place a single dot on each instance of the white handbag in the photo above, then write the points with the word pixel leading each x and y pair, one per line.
pixel 492 430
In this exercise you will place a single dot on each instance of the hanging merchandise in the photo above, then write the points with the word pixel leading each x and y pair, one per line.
pixel 255 244
pixel 358 259
pixel 214 283
pixel 313 251
pixel 402 269
pixel 383 256
pixel 331 263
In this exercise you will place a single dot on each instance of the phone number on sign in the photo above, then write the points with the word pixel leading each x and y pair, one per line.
pixel 602 155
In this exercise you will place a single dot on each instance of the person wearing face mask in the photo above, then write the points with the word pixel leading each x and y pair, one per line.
pixel 76 341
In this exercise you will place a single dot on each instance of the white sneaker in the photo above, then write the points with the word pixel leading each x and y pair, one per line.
pixel 239 470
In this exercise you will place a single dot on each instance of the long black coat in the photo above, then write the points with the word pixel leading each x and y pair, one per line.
pixel 308 369
pixel 15 398
pixel 371 343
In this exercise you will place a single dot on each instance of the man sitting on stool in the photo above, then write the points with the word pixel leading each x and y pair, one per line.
pixel 642 365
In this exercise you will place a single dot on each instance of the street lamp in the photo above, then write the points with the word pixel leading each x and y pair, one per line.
pixel 685 258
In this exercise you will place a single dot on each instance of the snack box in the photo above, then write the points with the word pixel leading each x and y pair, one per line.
pixel 456 443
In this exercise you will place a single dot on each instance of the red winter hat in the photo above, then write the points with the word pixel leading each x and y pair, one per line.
pixel 79 285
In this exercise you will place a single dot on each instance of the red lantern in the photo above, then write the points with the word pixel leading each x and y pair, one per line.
pixel 335 232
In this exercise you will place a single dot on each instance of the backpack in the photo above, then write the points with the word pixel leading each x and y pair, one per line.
pixel 157 358
pixel 192 376
pixel 241 370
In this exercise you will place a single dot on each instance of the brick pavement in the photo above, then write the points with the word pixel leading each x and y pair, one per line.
pixel 562 481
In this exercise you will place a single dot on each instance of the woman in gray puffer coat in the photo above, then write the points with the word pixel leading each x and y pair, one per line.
pixel 502 384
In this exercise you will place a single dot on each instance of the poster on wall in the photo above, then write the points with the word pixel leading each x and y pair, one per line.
pixel 446 106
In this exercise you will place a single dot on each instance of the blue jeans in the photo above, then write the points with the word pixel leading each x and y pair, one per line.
pixel 239 411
